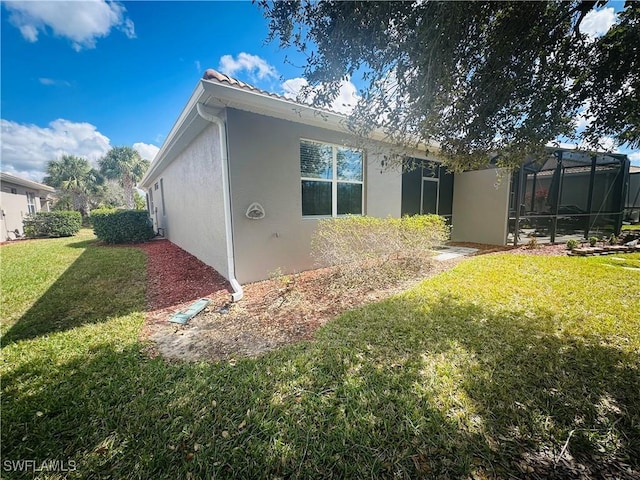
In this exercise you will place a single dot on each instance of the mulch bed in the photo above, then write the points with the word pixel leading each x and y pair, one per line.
pixel 273 313
pixel 175 279
pixel 545 249
pixel 175 276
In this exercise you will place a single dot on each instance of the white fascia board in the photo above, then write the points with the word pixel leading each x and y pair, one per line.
pixel 278 107
pixel 261 103
pixel 23 182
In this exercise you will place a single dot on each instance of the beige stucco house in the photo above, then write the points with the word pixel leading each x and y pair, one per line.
pixel 244 175
pixel 19 197
pixel 633 196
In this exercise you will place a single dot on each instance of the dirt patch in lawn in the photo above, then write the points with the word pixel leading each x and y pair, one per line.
pixel 284 310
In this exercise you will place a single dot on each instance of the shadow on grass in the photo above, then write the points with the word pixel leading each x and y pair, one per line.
pixel 394 390
pixel 115 412
pixel 83 243
pixel 99 284
pixel 564 405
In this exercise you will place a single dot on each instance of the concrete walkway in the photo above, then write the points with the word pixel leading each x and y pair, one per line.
pixel 448 253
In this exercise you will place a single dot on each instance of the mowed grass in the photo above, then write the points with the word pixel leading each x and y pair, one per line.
pixel 505 366
pixel 631 227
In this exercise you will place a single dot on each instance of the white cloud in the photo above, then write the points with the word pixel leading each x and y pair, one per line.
pixel 256 67
pixel 584 118
pixel 52 82
pixel 147 151
pixel 346 100
pixel 634 157
pixel 81 22
pixel 293 87
pixel 598 22
pixel 198 66
pixel 26 149
pixel 608 144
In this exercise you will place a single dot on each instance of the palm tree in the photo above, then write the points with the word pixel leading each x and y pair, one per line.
pixel 75 178
pixel 125 165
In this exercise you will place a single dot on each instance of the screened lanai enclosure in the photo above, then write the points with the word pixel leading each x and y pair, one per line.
pixel 568 194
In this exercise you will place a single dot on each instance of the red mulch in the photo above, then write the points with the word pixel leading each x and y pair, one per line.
pixel 546 249
pixel 175 276
pixel 175 279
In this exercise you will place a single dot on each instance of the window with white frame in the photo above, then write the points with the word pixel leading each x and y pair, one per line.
pixel 332 179
pixel 31 202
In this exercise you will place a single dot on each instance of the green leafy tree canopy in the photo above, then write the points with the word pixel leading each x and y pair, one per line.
pixel 475 78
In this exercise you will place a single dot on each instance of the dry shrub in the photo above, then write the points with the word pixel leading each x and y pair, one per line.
pixel 377 251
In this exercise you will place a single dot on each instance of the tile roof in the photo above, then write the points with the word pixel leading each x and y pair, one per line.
pixel 213 75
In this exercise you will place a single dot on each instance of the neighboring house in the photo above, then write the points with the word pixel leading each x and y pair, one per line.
pixel 244 175
pixel 19 197
pixel 633 195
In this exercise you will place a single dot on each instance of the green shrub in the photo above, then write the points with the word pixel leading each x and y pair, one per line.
pixel 593 241
pixel 52 224
pixel 613 240
pixel 572 243
pixel 369 248
pixel 122 226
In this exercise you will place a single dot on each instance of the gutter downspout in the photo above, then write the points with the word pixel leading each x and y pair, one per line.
pixel 238 293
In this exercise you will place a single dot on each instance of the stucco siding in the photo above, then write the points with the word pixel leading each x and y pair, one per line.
pixel 480 207
pixel 633 195
pixel 14 208
pixel 264 165
pixel 383 187
pixel 193 216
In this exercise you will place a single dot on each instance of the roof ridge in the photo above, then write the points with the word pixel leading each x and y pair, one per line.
pixel 211 74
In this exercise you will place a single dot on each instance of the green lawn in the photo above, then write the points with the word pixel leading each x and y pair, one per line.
pixel 492 369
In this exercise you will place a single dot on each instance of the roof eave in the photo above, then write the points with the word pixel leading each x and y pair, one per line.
pixel 216 94
pixel 7 177
pixel 255 101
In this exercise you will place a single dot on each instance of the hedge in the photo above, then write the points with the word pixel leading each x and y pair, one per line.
pixel 370 250
pixel 52 224
pixel 358 238
pixel 122 226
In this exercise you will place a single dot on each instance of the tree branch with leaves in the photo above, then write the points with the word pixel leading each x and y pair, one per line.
pixel 475 78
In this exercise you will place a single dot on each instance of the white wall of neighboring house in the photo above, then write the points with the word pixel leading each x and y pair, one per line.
pixel 192 214
pixel 633 195
pixel 481 207
pixel 264 162
pixel 15 200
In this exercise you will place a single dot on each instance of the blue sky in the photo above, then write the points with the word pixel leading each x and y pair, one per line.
pixel 82 77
